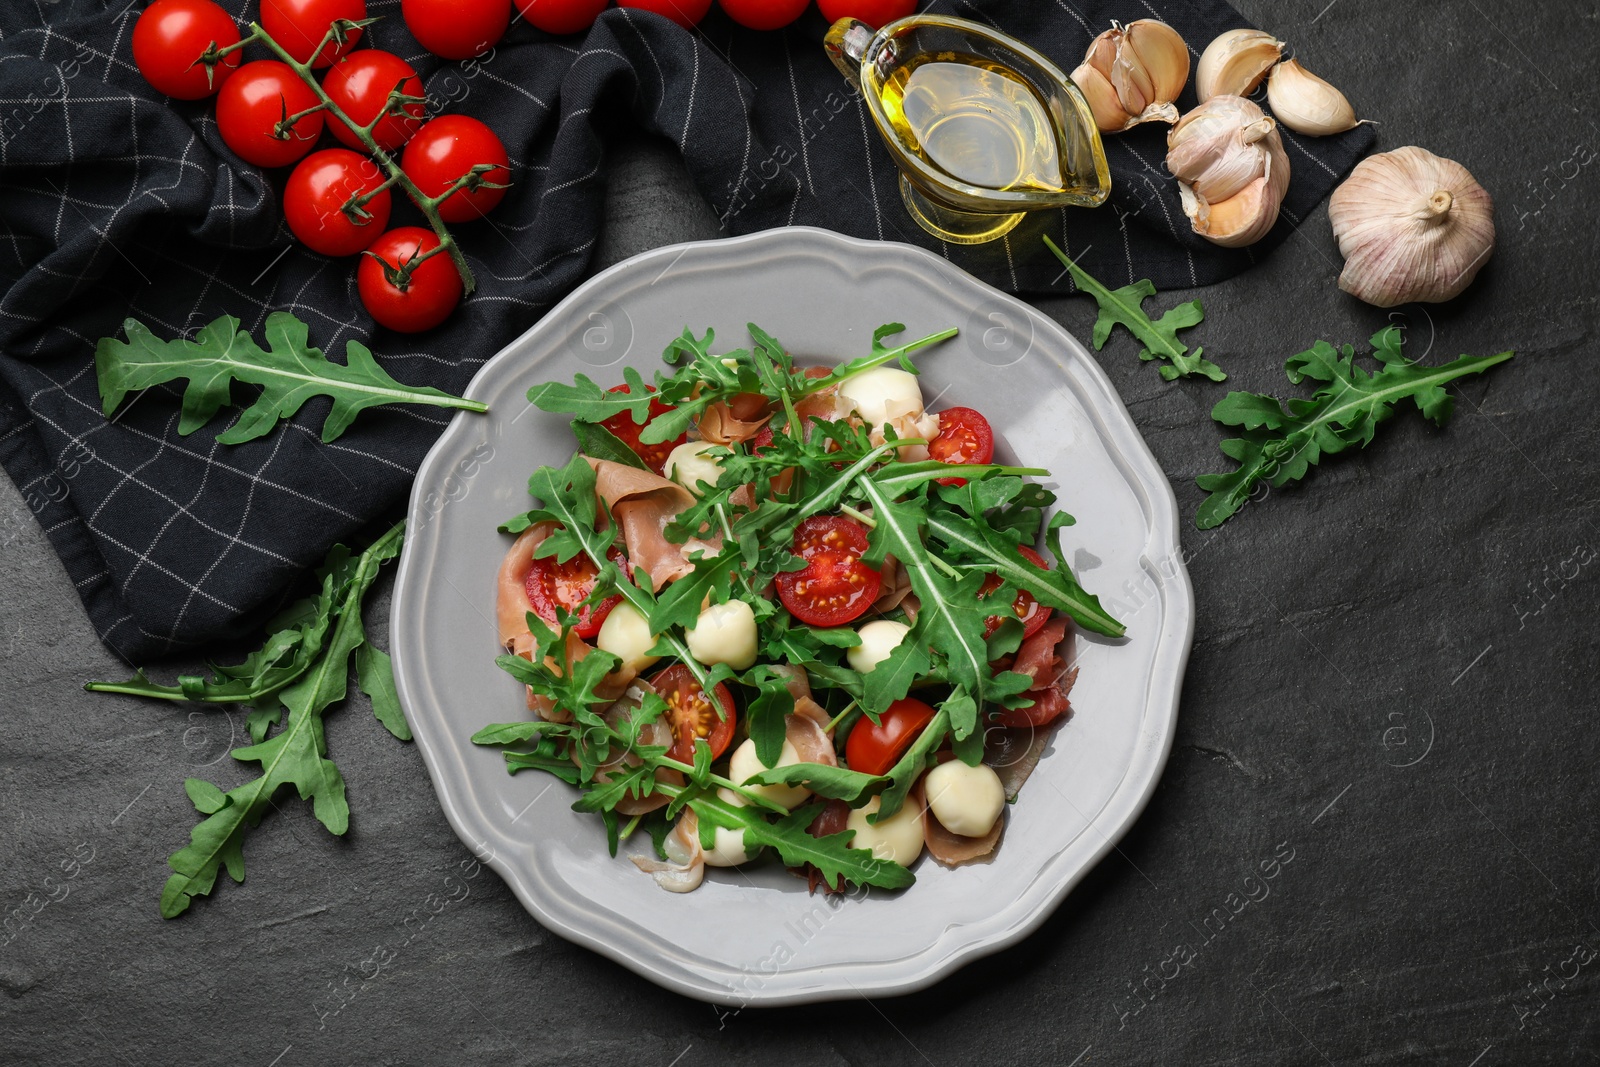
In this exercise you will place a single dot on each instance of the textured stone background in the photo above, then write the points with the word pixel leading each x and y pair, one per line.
pixel 1392 679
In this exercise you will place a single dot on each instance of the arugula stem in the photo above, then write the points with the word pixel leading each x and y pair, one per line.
pixel 833 723
pixel 627 831
pixel 864 519
pixel 878 360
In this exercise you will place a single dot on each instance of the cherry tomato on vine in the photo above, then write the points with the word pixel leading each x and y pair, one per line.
pixel 1032 613
pixel 764 14
pixel 300 25
pixel 691 715
pixel 550 585
pixel 447 149
pixel 875 13
pixel 834 587
pixel 686 13
pixel 964 437
pixel 251 109
pixel 561 16
pixel 360 85
pixel 874 749
pixel 628 431
pixel 169 38
pixel 413 303
pixel 317 202
pixel 457 29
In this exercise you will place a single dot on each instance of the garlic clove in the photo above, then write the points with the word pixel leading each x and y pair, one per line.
pixel 1307 104
pixel 1132 74
pixel 1102 97
pixel 1162 54
pixel 1232 170
pixel 1235 63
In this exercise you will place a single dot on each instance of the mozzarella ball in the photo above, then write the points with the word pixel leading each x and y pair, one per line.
pixel 724 633
pixel 688 465
pixel 878 639
pixel 743 765
pixel 965 800
pixel 626 635
pixel 729 850
pixel 882 395
pixel 897 839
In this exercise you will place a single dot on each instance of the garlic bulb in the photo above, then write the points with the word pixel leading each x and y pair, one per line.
pixel 1307 104
pixel 1235 63
pixel 1231 169
pixel 1133 73
pixel 1411 226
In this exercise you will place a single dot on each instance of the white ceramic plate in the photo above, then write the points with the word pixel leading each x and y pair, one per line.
pixel 755 936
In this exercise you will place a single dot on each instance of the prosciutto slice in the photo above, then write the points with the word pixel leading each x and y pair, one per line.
pixel 685 865
pixel 511 585
pixel 643 503
pixel 722 425
pixel 954 850
pixel 656 733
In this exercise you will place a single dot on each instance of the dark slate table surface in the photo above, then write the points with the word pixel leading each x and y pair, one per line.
pixel 1392 682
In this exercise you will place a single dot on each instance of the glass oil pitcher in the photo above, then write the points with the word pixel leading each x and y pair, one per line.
pixel 982 127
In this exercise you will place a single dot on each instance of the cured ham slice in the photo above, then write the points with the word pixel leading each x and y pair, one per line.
pixel 511 589
pixel 685 866
pixel 954 850
pixel 643 503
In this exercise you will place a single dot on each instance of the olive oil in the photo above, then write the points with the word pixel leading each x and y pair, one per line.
pixel 976 120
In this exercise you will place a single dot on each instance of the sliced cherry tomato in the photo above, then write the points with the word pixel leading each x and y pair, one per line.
pixel 875 13
pixel 300 25
pixel 761 440
pixel 423 300
pixel 964 437
pixel 172 35
pixel 318 202
pixel 457 29
pixel 360 84
pixel 691 714
pixel 874 748
pixel 627 431
pixel 686 13
pixel 764 14
pixel 561 16
pixel 1033 614
pixel 252 106
pixel 1047 706
pixel 566 585
pixel 834 587
pixel 447 149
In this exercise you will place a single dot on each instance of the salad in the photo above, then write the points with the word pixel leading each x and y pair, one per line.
pixel 768 608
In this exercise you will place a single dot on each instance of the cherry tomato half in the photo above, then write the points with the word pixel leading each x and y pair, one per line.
pixel 318 202
pixel 566 585
pixel 1047 706
pixel 764 14
pixel 964 437
pixel 447 149
pixel 691 715
pixel 457 29
pixel 360 84
pixel 875 13
pixel 873 749
pixel 251 108
pixel 686 13
pixel 169 38
pixel 561 16
pixel 300 25
pixel 834 587
pixel 431 292
pixel 1033 614
pixel 627 431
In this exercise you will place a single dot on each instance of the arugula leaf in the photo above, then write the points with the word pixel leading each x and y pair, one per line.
pixel 789 837
pixel 289 371
pixel 765 713
pixel 597 441
pixel 838 783
pixel 585 400
pixel 375 674
pixel 881 354
pixel 893 677
pixel 1160 338
pixel 903 775
pixel 1279 446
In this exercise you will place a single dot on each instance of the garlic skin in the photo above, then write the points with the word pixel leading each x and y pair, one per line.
pixel 1235 63
pixel 1412 226
pixel 1231 168
pixel 1132 74
pixel 1307 104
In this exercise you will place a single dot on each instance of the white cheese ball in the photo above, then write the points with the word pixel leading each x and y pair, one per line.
pixel 965 800
pixel 724 633
pixel 626 635
pixel 688 465
pixel 743 765
pixel 878 639
pixel 729 850
pixel 882 395
pixel 898 838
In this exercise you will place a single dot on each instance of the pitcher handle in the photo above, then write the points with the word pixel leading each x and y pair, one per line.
pixel 846 44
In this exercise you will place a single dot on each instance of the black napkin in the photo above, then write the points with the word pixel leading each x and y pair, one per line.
pixel 116 202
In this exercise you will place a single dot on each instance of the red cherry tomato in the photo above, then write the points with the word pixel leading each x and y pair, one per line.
pixel 300 25
pixel 691 715
pixel 448 148
pixel 964 437
pixel 561 16
pixel 360 84
pixel 317 202
pixel 431 292
pixel 628 431
pixel 834 587
pixel 874 13
pixel 457 29
pixel 566 585
pixel 252 106
pixel 764 14
pixel 1047 706
pixel 169 38
pixel 1033 614
pixel 874 749
pixel 686 13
